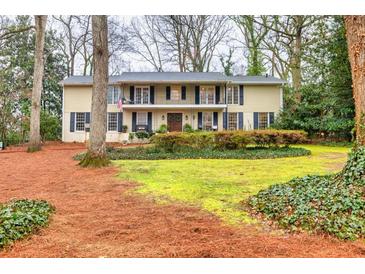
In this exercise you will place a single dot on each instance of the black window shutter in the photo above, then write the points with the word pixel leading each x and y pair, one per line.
pixel 241 95
pixel 87 117
pixel 152 94
pixel 217 94
pixel 134 121
pixel 271 118
pixel 149 119
pixel 200 120
pixel 131 94
pixel 240 120
pixel 87 121
pixel 168 93
pixel 120 121
pixel 72 122
pixel 183 93
pixel 215 119
pixel 255 120
pixel 225 114
pixel 197 93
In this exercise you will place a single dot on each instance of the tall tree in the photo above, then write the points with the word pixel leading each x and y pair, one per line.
pixel 253 34
pixel 35 137
pixel 355 33
pixel 96 155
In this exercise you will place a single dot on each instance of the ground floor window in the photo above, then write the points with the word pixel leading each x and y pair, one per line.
pixel 80 121
pixel 112 121
pixel 207 121
pixel 142 119
pixel 232 121
pixel 263 120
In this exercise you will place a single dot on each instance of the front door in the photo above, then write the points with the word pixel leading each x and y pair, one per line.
pixel 174 121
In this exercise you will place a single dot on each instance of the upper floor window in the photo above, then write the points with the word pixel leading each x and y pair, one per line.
pixel 142 95
pixel 232 95
pixel 114 94
pixel 207 95
pixel 175 93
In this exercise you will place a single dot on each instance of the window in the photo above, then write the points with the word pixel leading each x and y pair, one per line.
pixel 207 95
pixel 175 93
pixel 263 120
pixel 232 121
pixel 207 120
pixel 80 121
pixel 142 119
pixel 142 95
pixel 112 121
pixel 114 94
pixel 232 95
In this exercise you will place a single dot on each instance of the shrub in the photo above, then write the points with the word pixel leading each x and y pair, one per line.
pixel 328 204
pixel 50 127
pixel 187 128
pixel 162 129
pixel 142 135
pixel 228 139
pixel 21 217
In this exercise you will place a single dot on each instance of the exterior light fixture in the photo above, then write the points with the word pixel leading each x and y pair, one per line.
pixel 186 117
pixel 163 117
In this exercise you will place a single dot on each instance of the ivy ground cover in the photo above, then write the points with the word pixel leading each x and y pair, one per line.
pixel 219 186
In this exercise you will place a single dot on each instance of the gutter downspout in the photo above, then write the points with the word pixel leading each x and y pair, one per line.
pixel 63 113
pixel 225 101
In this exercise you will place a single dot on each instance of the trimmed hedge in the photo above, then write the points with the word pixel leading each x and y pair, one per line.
pixel 153 153
pixel 228 139
pixel 20 218
pixel 327 204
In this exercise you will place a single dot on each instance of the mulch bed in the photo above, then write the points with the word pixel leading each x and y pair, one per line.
pixel 98 216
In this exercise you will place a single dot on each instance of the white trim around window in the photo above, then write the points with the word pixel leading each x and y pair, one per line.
pixel 142 119
pixel 206 99
pixel 114 93
pixel 80 118
pixel 233 94
pixel 142 100
pixel 112 121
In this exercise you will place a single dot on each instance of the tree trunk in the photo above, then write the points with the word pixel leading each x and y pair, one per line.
pixel 35 137
pixel 355 34
pixel 96 155
pixel 297 58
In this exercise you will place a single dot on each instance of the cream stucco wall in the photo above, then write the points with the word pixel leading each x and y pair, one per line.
pixel 263 98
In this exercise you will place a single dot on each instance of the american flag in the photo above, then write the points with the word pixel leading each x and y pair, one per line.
pixel 120 104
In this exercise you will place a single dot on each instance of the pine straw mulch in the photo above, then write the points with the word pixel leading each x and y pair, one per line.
pixel 96 216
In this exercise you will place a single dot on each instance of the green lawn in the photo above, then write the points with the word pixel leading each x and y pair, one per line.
pixel 219 186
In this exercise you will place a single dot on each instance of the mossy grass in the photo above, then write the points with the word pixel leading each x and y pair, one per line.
pixel 94 161
pixel 220 185
pixel 34 148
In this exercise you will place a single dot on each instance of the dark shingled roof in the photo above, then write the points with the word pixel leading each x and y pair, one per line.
pixel 171 77
pixel 243 79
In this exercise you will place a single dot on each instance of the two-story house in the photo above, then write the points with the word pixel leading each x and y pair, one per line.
pixel 204 100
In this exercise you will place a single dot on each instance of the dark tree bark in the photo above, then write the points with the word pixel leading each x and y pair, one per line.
pixel 35 136
pixel 355 34
pixel 96 155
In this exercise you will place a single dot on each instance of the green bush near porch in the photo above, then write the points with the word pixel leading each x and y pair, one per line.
pixel 227 140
